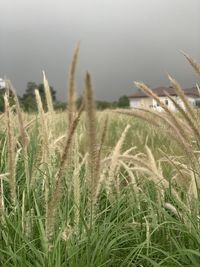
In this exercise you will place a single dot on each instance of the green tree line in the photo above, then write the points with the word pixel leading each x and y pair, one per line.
pixel 28 101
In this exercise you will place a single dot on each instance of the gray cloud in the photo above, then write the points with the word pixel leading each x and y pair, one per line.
pixel 121 41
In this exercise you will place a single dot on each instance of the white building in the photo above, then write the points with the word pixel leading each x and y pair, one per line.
pixel 140 100
pixel 2 83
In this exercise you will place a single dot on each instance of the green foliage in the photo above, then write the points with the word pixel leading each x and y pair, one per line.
pixel 58 105
pixel 28 99
pixel 123 102
pixel 197 103
pixel 11 99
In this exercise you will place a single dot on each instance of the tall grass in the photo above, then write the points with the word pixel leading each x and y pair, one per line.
pixel 85 190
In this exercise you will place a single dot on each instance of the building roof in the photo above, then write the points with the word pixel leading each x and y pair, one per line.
pixel 160 91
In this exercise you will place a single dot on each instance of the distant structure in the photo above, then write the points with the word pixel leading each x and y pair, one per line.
pixel 2 83
pixel 140 100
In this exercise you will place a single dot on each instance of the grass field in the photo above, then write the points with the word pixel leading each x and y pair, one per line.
pixel 87 188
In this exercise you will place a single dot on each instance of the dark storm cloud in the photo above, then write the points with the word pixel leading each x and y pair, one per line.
pixel 121 41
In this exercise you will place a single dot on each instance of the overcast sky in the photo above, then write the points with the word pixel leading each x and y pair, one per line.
pixel 121 41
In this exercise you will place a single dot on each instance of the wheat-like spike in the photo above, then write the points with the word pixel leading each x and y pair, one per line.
pixel 71 105
pixel 94 177
pixel 11 150
pixel 43 125
pixel 45 140
pixel 48 94
pixel 152 161
pixel 55 199
pixel 192 62
pixel 193 187
pixel 170 207
pixel 72 86
pixel 23 134
pixel 25 139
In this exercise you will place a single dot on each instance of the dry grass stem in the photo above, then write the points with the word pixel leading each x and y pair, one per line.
pixel 93 176
pixel 182 96
pixel 177 125
pixel 11 150
pixel 48 94
pixel 72 86
pixel 192 62
pixel 114 163
pixel 56 196
pixel 44 127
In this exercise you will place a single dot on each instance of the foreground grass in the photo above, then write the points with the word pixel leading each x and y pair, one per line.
pixel 133 229
pixel 114 188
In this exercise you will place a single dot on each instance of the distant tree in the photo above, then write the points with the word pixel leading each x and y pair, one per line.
pixel 1 102
pixel 197 103
pixel 123 102
pixel 28 99
pixel 101 105
pixel 58 105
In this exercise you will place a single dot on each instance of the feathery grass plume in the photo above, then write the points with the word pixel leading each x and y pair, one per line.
pixel 56 196
pixel 71 105
pixel 159 120
pixel 113 165
pixel 131 181
pixel 23 134
pixel 11 150
pixel 93 176
pixel 48 94
pixel 193 187
pixel 72 86
pixel 170 207
pixel 44 133
pixel 144 165
pixel 192 62
pixel 138 114
pixel 188 119
pixel 173 117
pixel 45 146
pixel 181 94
